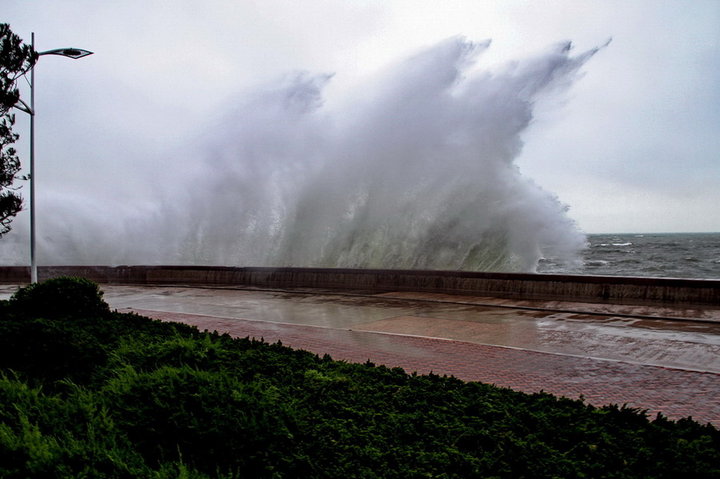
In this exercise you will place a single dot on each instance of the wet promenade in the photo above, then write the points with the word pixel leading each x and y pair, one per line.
pixel 651 358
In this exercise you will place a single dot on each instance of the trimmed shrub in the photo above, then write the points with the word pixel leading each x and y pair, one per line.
pixel 60 298
pixel 46 350
pixel 211 421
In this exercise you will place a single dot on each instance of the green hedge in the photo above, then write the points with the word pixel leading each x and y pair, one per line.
pixel 104 394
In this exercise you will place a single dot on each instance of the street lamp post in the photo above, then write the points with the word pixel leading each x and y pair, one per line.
pixel 73 53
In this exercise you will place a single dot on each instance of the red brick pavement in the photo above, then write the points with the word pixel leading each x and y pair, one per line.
pixel 676 393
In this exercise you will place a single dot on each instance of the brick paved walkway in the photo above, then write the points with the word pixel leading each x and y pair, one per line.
pixel 676 393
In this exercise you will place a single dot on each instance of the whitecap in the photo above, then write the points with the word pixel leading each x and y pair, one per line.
pixel 597 262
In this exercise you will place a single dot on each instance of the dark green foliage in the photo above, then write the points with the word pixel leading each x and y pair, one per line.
pixel 45 351
pixel 60 297
pixel 205 417
pixel 46 436
pixel 115 395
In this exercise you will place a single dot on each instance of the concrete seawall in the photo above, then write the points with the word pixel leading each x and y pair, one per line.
pixel 605 289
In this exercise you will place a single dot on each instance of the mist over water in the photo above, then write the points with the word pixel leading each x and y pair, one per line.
pixel 417 171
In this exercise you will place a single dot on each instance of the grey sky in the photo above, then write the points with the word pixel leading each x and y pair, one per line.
pixel 633 147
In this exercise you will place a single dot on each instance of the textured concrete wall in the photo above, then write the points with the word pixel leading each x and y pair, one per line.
pixel 559 287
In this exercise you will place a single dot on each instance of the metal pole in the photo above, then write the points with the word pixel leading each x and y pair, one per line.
pixel 33 259
pixel 73 53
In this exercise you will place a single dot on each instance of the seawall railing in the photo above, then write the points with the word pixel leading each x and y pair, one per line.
pixel 610 289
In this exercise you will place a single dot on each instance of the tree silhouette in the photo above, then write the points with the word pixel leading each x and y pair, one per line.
pixel 16 59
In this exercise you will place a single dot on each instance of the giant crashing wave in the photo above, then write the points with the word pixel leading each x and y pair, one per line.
pixel 417 171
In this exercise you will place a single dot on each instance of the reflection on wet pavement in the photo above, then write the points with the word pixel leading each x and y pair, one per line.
pixel 580 329
pixel 681 344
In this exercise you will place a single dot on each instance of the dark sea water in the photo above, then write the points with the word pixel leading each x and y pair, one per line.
pixel 675 255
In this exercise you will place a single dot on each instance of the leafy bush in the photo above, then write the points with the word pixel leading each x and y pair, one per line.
pixel 45 436
pixel 102 394
pixel 60 297
pixel 207 418
pixel 45 351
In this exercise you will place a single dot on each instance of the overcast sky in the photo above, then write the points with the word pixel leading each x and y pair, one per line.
pixel 633 147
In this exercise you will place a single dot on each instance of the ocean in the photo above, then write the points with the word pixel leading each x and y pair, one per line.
pixel 673 255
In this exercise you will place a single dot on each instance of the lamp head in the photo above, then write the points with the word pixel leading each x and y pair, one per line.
pixel 73 53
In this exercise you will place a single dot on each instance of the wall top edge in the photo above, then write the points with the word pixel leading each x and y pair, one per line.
pixel 641 280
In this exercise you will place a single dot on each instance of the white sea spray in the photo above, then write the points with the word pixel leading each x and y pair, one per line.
pixel 416 171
